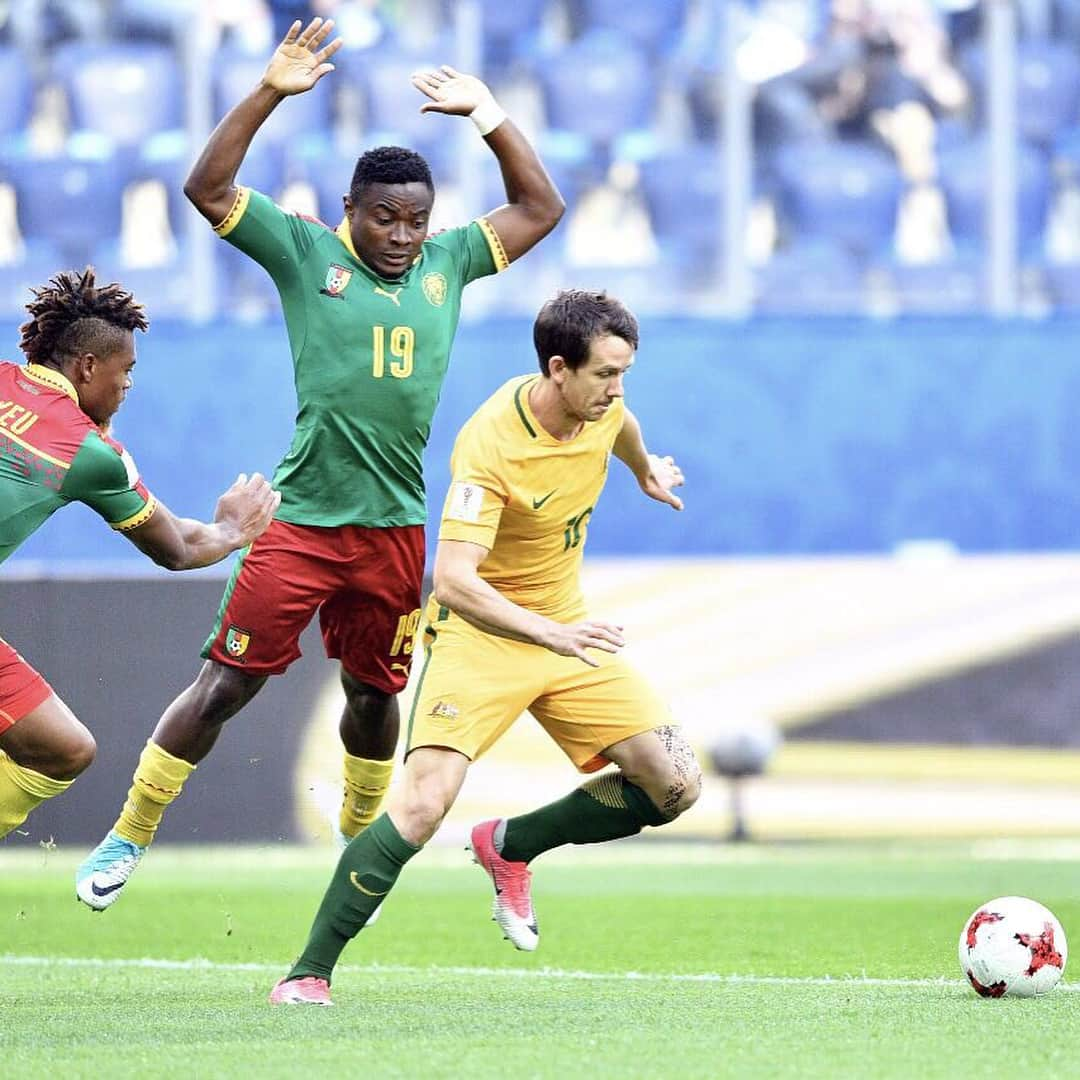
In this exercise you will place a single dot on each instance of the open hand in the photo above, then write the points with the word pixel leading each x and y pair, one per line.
pixel 300 61
pixel 572 639
pixel 450 91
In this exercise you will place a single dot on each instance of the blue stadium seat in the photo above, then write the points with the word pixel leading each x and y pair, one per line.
pixel 812 276
pixel 963 171
pixel 843 191
pixel 683 190
pixel 954 285
pixel 74 202
pixel 649 24
pixel 1048 86
pixel 40 261
pixel 165 291
pixel 511 30
pixel 237 72
pixel 600 86
pixel 16 91
pixel 392 104
pixel 125 92
pixel 168 158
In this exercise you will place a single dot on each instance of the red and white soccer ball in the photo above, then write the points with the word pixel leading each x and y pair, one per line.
pixel 1013 946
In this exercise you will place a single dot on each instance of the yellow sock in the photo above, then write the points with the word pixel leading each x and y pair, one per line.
pixel 158 779
pixel 366 782
pixel 21 790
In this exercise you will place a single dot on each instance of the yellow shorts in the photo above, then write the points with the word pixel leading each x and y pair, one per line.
pixel 473 686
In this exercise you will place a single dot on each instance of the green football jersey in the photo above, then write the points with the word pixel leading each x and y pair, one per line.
pixel 369 357
pixel 52 453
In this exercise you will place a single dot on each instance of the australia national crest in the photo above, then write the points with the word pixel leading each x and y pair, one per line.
pixel 337 277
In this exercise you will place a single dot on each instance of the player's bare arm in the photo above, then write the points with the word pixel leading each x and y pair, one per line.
pixel 241 515
pixel 533 203
pixel 459 586
pixel 656 475
pixel 297 64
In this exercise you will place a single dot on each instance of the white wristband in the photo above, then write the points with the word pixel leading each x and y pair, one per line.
pixel 487 116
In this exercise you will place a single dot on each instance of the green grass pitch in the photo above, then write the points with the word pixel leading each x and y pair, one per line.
pixel 654 961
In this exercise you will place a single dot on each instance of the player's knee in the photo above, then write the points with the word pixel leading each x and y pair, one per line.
pixel 367 704
pixel 73 755
pixel 676 781
pixel 423 812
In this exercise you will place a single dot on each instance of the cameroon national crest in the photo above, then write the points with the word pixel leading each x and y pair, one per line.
pixel 337 277
pixel 434 286
pixel 237 641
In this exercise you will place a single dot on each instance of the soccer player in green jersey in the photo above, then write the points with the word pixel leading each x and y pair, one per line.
pixel 371 308
pixel 55 449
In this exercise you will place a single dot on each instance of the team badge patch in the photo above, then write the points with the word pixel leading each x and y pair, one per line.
pixel 465 502
pixel 237 641
pixel 337 277
pixel 443 710
pixel 434 286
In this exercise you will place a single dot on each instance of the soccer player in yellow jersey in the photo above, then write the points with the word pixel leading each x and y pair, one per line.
pixel 507 631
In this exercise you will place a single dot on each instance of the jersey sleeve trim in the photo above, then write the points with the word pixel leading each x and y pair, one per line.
pixel 498 252
pixel 232 218
pixel 141 518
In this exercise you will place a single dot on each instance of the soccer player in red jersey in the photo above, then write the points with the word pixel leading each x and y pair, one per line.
pixel 55 449
pixel 371 308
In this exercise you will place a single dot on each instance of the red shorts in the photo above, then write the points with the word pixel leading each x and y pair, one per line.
pixel 365 584
pixel 22 689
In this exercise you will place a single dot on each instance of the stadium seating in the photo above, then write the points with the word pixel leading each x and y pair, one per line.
pixel 601 86
pixel 392 105
pixel 236 72
pixel 39 261
pixel 964 169
pixel 16 91
pixel 1048 86
pixel 650 25
pixel 845 192
pixel 810 276
pixel 123 91
pixel 73 201
pixel 683 191
pixel 511 31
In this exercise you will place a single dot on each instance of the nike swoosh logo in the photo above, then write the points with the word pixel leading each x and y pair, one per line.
pixel 355 881
pixel 98 891
pixel 537 503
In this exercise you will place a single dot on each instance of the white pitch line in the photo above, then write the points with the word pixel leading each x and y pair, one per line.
pixel 199 964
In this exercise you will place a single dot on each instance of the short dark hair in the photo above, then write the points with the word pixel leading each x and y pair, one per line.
pixel 72 315
pixel 568 323
pixel 389 165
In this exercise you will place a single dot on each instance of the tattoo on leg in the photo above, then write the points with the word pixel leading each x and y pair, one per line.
pixel 684 764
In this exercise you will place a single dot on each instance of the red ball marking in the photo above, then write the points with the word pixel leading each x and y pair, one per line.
pixel 1043 953
pixel 994 990
pixel 980 918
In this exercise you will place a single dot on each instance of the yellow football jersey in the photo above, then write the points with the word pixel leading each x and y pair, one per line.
pixel 528 497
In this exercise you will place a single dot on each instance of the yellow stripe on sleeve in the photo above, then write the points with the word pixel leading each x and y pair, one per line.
pixel 141 518
pixel 229 222
pixel 498 252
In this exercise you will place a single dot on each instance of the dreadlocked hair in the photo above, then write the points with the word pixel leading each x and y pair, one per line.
pixel 73 315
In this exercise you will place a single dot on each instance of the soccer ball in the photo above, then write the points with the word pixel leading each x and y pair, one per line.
pixel 1013 946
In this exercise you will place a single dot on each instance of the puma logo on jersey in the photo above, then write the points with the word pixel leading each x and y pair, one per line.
pixel 380 291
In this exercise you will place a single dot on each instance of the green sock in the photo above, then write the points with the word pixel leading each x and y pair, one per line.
pixel 366 872
pixel 604 808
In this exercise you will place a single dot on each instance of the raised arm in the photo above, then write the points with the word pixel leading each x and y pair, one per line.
pixel 655 475
pixel 533 203
pixel 298 63
pixel 458 586
pixel 241 515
